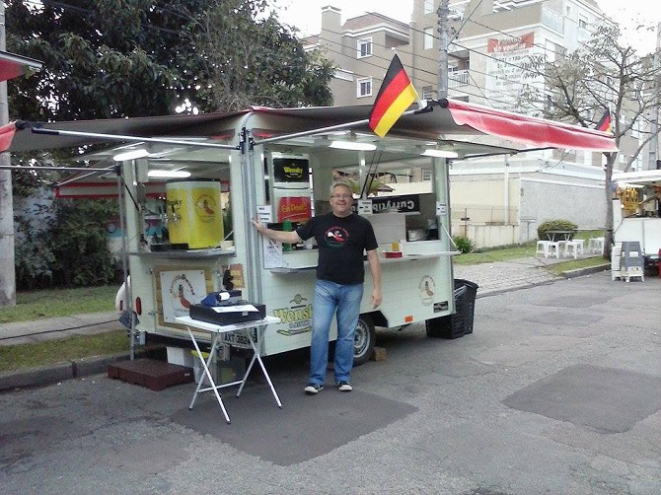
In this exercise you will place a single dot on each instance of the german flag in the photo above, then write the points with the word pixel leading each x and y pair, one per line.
pixel 604 124
pixel 395 96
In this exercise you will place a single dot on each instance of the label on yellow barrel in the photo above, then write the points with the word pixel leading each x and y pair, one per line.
pixel 195 213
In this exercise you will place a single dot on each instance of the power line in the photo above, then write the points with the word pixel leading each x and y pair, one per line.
pixel 509 81
pixel 422 80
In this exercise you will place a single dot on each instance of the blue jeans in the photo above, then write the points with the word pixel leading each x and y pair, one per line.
pixel 330 297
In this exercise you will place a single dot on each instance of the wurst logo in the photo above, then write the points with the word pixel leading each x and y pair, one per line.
pixel 426 289
pixel 336 237
pixel 205 208
pixel 297 318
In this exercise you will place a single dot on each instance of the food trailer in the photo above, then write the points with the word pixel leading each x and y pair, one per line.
pixel 279 165
pixel 637 212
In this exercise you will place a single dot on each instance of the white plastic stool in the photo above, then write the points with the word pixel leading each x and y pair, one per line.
pixel 572 248
pixel 616 262
pixel 562 248
pixel 579 245
pixel 542 248
pixel 548 248
pixel 596 245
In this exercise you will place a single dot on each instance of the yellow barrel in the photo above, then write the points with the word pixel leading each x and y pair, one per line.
pixel 194 213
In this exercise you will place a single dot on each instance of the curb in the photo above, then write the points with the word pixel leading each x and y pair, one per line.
pixel 54 373
pixel 579 272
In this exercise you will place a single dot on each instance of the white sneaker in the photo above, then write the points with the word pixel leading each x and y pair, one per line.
pixel 313 388
pixel 344 387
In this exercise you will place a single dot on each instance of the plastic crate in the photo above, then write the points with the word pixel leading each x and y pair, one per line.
pixel 461 322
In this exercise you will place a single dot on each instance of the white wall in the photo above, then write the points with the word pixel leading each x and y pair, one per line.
pixel 543 200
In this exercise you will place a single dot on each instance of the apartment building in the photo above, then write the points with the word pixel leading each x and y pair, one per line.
pixel 493 45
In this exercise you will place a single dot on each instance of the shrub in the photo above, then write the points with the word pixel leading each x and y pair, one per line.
pixel 33 257
pixel 64 244
pixel 464 244
pixel 544 228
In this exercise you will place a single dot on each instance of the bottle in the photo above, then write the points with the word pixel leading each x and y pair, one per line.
pixel 286 227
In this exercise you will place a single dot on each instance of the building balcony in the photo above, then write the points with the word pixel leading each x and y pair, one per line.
pixel 553 20
pixel 458 78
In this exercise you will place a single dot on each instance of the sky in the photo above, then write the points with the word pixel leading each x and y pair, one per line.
pixel 306 15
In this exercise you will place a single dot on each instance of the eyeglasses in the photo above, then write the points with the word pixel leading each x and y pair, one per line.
pixel 342 196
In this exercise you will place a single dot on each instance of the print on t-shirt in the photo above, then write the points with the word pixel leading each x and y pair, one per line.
pixel 336 237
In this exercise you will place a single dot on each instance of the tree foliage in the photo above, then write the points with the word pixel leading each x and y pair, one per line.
pixel 119 58
pixel 66 246
pixel 242 61
pixel 604 75
pixel 131 58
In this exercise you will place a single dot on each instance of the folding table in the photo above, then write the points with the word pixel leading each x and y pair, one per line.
pixel 216 331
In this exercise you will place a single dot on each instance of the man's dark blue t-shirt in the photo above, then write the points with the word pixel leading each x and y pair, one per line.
pixel 341 243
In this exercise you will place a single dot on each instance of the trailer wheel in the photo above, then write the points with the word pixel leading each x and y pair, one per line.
pixel 364 341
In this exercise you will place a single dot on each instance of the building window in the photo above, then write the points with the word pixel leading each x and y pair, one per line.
pixel 582 22
pixel 364 87
pixel 428 38
pixel 429 6
pixel 428 93
pixel 365 47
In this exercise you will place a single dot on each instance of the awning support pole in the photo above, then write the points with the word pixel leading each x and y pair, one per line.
pixel 338 127
pixel 119 137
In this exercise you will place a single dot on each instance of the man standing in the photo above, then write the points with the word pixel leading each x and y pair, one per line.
pixel 342 237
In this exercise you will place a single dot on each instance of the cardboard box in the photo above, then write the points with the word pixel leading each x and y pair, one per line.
pixel 222 371
pixel 180 356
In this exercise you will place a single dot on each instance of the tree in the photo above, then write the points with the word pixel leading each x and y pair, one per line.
pixel 95 55
pixel 603 75
pixel 129 58
pixel 245 57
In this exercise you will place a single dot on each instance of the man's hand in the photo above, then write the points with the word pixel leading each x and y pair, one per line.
pixel 376 298
pixel 258 225
pixel 276 235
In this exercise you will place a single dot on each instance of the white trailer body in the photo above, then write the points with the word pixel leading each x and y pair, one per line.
pixel 416 287
pixel 645 226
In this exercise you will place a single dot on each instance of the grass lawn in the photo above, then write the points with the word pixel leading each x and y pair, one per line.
pixel 65 302
pixel 504 254
pixel 15 357
pixel 567 266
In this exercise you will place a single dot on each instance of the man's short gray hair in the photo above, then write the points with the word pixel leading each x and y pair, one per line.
pixel 341 184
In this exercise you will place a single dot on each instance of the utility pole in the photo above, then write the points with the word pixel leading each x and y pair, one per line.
pixel 443 14
pixel 654 121
pixel 7 269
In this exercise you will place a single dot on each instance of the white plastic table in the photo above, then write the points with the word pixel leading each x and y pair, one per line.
pixel 216 331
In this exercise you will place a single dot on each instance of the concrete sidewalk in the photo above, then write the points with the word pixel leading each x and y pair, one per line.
pixel 491 278
pixel 30 332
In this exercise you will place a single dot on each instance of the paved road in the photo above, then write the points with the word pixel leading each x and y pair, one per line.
pixel 557 391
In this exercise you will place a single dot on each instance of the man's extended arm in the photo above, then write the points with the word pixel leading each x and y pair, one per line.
pixel 375 268
pixel 277 235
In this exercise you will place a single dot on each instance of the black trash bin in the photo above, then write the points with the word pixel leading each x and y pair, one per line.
pixel 461 322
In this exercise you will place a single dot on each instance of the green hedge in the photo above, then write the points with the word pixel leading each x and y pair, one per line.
pixel 544 228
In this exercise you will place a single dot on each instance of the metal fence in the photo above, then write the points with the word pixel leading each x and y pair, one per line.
pixel 484 215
